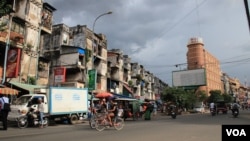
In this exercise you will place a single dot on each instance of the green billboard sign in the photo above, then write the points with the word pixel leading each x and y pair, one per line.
pixel 92 79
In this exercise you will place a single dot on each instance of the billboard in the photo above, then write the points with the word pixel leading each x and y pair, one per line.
pixel 13 62
pixel 195 77
pixel 92 79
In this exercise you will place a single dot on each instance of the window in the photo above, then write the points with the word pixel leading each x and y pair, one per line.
pixel 18 28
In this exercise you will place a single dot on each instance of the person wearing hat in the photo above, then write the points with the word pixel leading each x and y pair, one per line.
pixel 40 109
pixel 112 112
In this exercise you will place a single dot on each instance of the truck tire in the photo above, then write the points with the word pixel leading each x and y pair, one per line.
pixel 73 119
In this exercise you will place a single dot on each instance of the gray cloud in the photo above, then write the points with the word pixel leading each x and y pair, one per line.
pixel 155 32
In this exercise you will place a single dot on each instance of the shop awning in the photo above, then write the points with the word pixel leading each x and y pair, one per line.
pixel 8 91
pixel 120 96
pixel 26 87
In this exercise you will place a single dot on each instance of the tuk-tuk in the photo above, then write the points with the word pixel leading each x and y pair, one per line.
pixel 131 107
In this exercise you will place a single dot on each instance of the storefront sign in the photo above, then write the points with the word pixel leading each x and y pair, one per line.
pixel 60 74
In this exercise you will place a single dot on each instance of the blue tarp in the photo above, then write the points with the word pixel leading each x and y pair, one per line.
pixel 81 51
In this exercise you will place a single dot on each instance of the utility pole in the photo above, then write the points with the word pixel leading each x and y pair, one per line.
pixel 247 12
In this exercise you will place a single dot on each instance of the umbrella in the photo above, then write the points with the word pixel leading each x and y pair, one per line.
pixel 103 94
pixel 7 90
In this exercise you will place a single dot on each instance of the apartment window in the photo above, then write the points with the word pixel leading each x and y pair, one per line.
pixel 18 28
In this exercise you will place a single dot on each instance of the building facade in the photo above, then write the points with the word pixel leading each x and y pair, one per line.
pixel 29 22
pixel 198 57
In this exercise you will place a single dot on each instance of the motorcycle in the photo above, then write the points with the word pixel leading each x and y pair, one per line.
pixel 31 119
pixel 235 113
pixel 213 111
pixel 172 110
pixel 173 114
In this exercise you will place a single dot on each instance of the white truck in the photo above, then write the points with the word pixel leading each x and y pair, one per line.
pixel 61 103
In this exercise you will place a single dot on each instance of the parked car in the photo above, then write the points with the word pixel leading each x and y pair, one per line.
pixel 221 106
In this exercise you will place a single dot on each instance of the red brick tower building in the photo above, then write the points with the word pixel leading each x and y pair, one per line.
pixel 197 58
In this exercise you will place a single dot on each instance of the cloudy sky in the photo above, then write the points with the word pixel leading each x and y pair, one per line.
pixel 155 33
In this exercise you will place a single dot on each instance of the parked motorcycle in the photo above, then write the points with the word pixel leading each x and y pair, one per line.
pixel 31 119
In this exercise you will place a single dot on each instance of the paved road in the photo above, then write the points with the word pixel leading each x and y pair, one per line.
pixel 192 127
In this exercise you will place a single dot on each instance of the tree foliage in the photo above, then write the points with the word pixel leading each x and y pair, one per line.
pixel 215 95
pixel 179 96
pixel 5 8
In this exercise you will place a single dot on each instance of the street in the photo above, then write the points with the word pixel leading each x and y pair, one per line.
pixel 188 127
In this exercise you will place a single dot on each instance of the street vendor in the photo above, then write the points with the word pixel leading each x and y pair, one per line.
pixel 149 109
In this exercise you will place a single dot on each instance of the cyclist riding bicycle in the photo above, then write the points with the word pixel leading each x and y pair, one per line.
pixel 112 112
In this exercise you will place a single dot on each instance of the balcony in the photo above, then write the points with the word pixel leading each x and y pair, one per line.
pixel 115 76
pixel 101 69
pixel 16 39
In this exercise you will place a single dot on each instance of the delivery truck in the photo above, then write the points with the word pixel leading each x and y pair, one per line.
pixel 61 103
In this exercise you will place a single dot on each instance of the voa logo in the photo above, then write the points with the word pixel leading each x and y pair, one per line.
pixel 236 132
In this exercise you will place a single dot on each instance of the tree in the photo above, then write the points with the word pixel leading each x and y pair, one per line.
pixel 227 98
pixel 5 8
pixel 215 95
pixel 201 95
pixel 179 96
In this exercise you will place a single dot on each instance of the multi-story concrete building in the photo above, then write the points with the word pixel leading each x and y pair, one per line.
pixel 159 87
pixel 29 22
pixel 77 49
pixel 226 84
pixel 198 57
pixel 235 87
pixel 67 53
pixel 115 70
pixel 119 73
pixel 138 82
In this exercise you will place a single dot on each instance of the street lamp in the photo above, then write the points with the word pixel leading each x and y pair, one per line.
pixel 93 35
pixel 92 53
pixel 93 28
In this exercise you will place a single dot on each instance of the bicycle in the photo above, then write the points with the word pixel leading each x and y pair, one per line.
pixel 102 122
pixel 92 120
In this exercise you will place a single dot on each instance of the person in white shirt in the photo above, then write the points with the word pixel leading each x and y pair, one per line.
pixel 120 111
pixel 40 109
pixel 212 105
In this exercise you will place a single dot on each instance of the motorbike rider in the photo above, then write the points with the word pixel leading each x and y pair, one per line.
pixel 172 108
pixel 41 111
pixel 212 106
pixel 235 107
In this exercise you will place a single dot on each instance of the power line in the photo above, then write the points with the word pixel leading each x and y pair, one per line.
pixel 180 21
pixel 181 64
